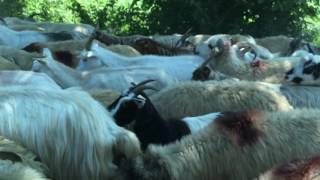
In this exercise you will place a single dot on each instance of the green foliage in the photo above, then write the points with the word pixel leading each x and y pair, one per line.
pixel 11 8
pixel 258 18
pixel 123 17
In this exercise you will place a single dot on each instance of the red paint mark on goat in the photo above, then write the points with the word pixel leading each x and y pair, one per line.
pixel 34 47
pixel 302 169
pixel 242 127
pixel 258 66
pixel 65 57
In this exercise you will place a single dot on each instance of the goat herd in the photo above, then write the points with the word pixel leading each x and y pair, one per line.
pixel 78 103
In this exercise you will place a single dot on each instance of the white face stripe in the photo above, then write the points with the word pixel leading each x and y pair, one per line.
pixel 122 100
pixel 199 122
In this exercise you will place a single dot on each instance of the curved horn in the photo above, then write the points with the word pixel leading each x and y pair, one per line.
pixel 142 86
pixel 4 21
pixel 90 40
pixel 183 38
pixel 310 48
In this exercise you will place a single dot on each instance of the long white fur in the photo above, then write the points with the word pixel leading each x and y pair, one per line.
pixel 70 132
pixel 118 79
pixel 180 67
pixel 198 98
pixel 19 39
pixel 18 77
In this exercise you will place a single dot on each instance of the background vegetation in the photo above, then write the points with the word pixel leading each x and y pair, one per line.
pixel 255 17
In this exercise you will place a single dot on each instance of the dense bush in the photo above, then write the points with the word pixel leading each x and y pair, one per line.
pixel 258 18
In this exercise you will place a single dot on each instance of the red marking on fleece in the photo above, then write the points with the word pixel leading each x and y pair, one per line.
pixel 241 127
pixel 65 57
pixel 302 169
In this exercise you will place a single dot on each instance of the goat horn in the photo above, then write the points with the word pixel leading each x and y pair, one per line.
pixel 4 21
pixel 141 86
pixel 90 40
pixel 183 38
pixel 139 89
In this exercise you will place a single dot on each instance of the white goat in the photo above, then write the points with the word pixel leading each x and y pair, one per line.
pixel 26 78
pixel 23 38
pixel 180 67
pixel 118 79
pixel 236 145
pixel 70 132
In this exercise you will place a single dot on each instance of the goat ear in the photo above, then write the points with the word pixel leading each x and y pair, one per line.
pixel 47 53
pixel 94 45
pixel 90 54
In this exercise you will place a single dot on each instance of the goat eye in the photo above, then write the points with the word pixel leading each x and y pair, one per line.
pixel 307 63
pixel 210 46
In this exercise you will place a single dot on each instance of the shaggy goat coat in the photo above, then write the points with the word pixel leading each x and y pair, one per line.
pixel 236 145
pixel 276 44
pixel 26 78
pixel 302 96
pixel 70 132
pixel 18 163
pixel 298 169
pixel 197 98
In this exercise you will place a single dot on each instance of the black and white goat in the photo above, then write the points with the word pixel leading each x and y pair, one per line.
pixel 307 71
pixel 149 126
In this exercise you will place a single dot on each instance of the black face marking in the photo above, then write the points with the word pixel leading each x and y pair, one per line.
pixel 289 72
pixel 316 71
pixel 297 80
pixel 308 70
pixel 307 63
pixel 210 46
pixel 126 112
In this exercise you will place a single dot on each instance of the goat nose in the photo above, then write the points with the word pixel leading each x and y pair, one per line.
pixel 35 66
